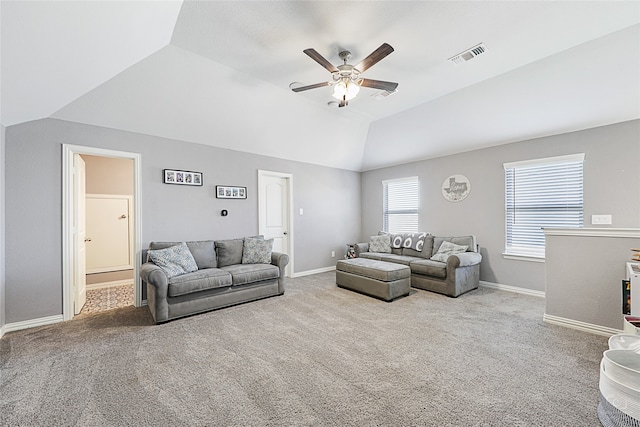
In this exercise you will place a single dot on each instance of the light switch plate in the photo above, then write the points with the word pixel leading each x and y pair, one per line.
pixel 601 219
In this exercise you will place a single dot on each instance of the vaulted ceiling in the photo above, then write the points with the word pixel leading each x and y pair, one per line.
pixel 218 72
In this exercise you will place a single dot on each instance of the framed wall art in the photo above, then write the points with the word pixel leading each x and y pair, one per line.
pixel 230 192
pixel 172 176
pixel 456 188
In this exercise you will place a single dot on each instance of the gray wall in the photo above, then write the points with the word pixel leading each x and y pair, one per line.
pixel 611 177
pixel 584 276
pixel 330 198
pixel 2 234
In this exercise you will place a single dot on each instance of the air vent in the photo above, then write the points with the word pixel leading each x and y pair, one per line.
pixel 383 94
pixel 468 54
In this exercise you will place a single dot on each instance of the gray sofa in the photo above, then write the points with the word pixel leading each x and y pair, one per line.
pixel 459 274
pixel 221 280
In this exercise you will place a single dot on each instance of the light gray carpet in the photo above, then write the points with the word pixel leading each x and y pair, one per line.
pixel 319 355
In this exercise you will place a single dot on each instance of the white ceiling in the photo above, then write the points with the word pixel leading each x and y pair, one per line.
pixel 218 72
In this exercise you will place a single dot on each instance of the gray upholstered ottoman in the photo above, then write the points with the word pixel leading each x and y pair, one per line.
pixel 379 279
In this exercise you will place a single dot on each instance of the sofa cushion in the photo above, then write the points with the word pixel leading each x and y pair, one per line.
pixel 446 249
pixel 250 273
pixel 257 251
pixel 370 255
pixel 229 251
pixel 397 259
pixel 469 241
pixel 203 251
pixel 200 280
pixel 429 268
pixel 380 244
pixel 174 260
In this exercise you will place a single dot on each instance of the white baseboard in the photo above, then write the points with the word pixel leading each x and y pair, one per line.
pixel 25 324
pixel 581 326
pixel 316 271
pixel 515 289
pixel 1 331
pixel 111 284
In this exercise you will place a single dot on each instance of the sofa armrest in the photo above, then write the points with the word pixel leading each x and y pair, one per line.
pixel 280 260
pixel 463 260
pixel 361 247
pixel 157 291
pixel 151 273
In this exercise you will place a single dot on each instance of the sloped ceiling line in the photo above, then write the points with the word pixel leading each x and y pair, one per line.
pixel 217 73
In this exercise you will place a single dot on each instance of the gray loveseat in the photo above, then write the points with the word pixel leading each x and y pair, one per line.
pixel 221 279
pixel 460 273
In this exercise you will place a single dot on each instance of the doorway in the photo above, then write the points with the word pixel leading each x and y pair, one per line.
pixel 275 214
pixel 72 241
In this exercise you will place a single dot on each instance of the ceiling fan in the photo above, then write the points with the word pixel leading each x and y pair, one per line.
pixel 345 78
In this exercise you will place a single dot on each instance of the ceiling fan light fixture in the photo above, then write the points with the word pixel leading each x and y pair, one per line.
pixel 345 78
pixel 345 90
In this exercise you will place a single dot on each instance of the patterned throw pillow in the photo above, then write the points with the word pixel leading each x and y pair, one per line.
pixel 414 241
pixel 175 260
pixel 380 244
pixel 257 251
pixel 446 249
pixel 396 240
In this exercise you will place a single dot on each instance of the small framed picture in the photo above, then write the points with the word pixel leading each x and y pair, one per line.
pixel 172 176
pixel 230 192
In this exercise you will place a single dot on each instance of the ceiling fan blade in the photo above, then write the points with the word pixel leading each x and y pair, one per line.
pixel 375 57
pixel 300 89
pixel 313 54
pixel 378 84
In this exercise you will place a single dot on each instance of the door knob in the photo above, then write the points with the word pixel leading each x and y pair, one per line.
pixel 285 233
pixel 123 216
pixel 87 240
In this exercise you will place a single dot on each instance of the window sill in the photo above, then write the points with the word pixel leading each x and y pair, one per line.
pixel 530 258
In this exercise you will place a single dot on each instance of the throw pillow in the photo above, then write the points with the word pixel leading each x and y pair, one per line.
pixel 446 249
pixel 174 260
pixel 414 241
pixel 229 252
pixel 257 251
pixel 396 241
pixel 380 244
pixel 204 252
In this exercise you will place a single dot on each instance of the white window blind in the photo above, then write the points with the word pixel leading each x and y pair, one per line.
pixel 401 202
pixel 541 193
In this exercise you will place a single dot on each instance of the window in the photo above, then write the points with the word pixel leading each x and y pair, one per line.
pixel 541 193
pixel 401 200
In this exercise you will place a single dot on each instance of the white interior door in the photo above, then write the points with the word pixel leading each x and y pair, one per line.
pixel 274 212
pixel 109 246
pixel 80 235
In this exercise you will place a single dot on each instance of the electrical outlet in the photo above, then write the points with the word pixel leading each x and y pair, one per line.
pixel 333 254
pixel 301 211
pixel 601 219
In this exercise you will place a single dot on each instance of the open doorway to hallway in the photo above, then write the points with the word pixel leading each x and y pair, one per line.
pixel 109 184
pixel 101 229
